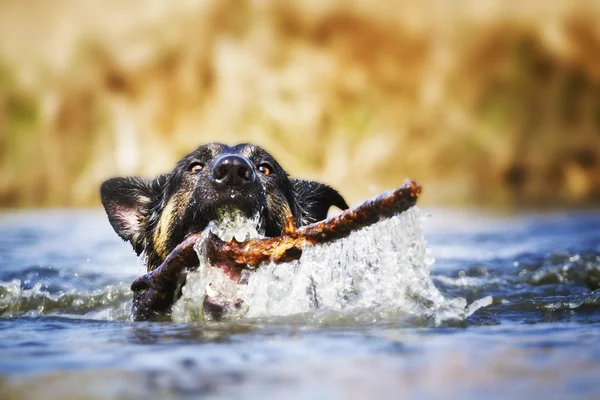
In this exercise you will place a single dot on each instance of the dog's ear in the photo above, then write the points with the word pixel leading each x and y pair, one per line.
pixel 127 202
pixel 314 199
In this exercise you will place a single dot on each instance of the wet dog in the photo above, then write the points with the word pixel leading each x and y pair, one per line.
pixel 156 215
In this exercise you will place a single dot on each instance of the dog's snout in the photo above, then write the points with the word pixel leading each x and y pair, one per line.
pixel 233 170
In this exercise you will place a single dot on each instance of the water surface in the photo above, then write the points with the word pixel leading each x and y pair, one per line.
pixel 65 329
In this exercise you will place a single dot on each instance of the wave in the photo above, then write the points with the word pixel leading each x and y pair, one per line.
pixel 111 302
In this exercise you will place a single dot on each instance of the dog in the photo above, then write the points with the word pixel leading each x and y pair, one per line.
pixel 155 215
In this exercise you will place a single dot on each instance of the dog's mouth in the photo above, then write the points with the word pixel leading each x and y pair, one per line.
pixel 212 289
pixel 233 223
pixel 227 213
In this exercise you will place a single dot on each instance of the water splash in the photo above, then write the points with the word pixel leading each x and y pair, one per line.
pixel 111 302
pixel 383 268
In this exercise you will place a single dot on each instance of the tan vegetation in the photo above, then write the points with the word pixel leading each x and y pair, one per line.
pixel 485 102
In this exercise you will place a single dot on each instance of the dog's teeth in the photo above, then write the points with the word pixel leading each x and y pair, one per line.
pixel 232 224
pixel 240 236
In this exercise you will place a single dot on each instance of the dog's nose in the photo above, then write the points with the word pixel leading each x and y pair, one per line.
pixel 232 170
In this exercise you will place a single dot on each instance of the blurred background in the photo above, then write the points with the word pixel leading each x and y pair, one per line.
pixel 486 103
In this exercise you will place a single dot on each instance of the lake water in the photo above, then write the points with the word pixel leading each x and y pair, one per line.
pixel 511 309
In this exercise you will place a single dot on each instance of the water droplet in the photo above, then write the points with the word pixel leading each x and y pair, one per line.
pixel 384 268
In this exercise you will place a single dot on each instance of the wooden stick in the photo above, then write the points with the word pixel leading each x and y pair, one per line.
pixel 154 293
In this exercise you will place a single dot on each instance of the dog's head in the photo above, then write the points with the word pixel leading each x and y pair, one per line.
pixel 156 215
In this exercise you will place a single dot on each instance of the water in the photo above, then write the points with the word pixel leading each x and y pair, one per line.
pixel 511 309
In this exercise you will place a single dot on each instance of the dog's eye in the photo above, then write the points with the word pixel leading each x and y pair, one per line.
pixel 196 167
pixel 265 169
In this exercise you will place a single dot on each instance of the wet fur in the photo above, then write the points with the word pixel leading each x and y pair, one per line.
pixel 155 215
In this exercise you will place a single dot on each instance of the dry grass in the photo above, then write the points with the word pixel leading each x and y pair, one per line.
pixel 484 102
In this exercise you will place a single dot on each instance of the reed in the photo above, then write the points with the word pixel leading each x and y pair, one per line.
pixel 484 102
